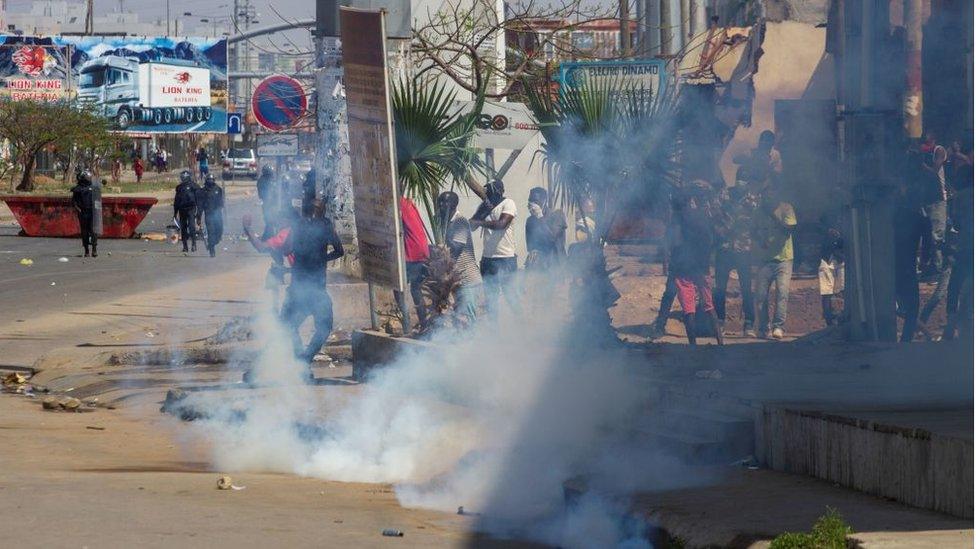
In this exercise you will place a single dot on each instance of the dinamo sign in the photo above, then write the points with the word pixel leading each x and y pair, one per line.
pixel 646 76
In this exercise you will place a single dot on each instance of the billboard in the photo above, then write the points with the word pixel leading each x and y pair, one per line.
pixel 371 149
pixel 141 84
pixel 646 77
pixel 500 125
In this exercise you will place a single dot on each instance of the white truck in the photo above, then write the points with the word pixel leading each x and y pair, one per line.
pixel 150 93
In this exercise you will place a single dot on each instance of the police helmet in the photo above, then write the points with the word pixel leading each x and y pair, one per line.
pixel 267 170
pixel 186 177
pixel 210 180
pixel 84 177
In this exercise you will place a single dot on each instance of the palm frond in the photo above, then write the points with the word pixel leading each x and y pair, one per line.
pixel 604 141
pixel 432 142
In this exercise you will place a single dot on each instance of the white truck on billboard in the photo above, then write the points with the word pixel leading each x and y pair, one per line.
pixel 152 92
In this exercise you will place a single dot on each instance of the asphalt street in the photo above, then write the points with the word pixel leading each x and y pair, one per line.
pixel 123 266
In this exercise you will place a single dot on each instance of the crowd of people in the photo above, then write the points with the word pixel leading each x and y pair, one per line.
pixel 750 228
pixel 934 236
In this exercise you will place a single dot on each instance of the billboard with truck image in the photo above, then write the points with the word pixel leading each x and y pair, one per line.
pixel 141 84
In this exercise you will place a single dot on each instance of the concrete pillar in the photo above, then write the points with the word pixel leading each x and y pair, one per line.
pixel 667 31
pixel 652 27
pixel 685 20
pixel 699 17
pixel 870 145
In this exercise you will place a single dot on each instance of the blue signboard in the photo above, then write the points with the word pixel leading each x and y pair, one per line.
pixel 235 123
pixel 648 75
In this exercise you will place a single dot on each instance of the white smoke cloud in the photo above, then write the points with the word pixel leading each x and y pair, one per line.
pixel 494 420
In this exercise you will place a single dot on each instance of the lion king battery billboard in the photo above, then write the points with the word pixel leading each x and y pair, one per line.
pixel 141 84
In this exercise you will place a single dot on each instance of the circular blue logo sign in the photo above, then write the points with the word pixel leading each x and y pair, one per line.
pixel 279 102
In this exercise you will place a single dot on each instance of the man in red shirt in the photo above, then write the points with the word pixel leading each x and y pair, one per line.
pixel 416 251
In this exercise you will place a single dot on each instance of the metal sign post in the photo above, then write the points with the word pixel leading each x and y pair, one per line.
pixel 372 151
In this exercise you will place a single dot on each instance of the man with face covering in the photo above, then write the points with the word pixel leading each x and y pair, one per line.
pixel 308 243
pixel 498 261
pixel 545 232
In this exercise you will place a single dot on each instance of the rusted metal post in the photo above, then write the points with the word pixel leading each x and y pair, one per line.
pixel 913 68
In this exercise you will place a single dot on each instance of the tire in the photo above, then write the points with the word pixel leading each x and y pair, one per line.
pixel 191 115
pixel 206 113
pixel 157 116
pixel 123 119
pixel 167 116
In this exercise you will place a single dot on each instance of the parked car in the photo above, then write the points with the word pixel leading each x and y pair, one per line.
pixel 240 163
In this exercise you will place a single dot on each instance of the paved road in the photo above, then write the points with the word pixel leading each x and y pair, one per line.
pixel 133 266
pixel 143 286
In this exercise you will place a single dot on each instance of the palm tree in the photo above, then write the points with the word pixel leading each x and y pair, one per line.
pixel 604 143
pixel 432 143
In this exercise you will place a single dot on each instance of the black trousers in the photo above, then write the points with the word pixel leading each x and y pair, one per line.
pixel 86 218
pixel 214 220
pixel 725 262
pixel 188 231
pixel 302 300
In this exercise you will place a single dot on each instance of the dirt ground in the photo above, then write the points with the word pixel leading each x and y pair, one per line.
pixel 122 474
pixel 640 282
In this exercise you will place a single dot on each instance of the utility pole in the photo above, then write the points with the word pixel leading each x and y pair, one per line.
pixel 89 21
pixel 685 24
pixel 871 148
pixel 913 68
pixel 652 27
pixel 625 28
pixel 639 17
pixel 234 58
pixel 333 181
pixel 167 18
pixel 667 32
pixel 699 19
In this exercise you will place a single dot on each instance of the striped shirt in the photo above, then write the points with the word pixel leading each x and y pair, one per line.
pixel 466 266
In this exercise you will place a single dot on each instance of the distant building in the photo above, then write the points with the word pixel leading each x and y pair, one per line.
pixel 48 17
pixel 562 40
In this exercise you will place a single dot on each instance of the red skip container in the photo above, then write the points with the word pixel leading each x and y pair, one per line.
pixel 55 216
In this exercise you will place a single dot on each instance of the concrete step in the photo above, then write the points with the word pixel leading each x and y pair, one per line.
pixel 697 436
pixel 708 424
pixel 682 396
pixel 688 447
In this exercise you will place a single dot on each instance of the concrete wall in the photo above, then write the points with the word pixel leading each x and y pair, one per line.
pixel 910 465
pixel 792 52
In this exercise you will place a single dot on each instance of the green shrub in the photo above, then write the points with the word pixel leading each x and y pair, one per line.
pixel 829 532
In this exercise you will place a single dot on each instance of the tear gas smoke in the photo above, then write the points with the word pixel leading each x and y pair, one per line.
pixel 495 419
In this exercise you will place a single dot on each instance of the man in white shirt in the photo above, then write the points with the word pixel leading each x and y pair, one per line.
pixel 498 260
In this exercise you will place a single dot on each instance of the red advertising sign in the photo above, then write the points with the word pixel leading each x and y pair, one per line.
pixel 40 73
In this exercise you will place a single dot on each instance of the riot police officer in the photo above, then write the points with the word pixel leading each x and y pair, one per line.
pixel 83 199
pixel 184 209
pixel 213 212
